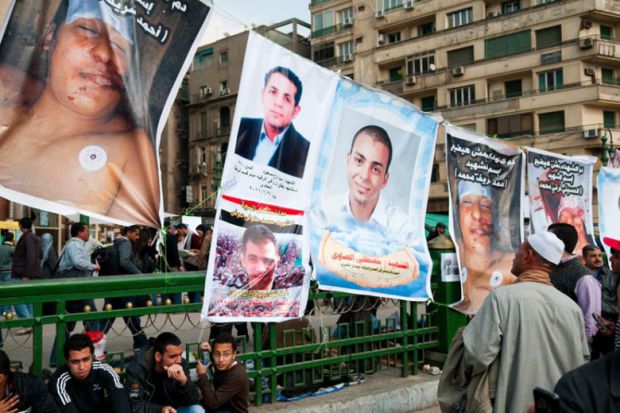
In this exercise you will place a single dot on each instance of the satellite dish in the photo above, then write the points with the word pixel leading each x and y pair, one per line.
pixel 432 67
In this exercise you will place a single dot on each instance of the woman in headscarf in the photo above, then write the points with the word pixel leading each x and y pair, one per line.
pixel 49 257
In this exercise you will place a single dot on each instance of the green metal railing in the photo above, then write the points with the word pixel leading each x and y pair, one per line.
pixel 286 359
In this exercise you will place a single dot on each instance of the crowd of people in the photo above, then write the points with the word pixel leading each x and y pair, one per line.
pixel 157 381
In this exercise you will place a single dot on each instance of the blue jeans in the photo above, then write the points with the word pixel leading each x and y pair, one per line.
pixel 22 310
pixel 196 408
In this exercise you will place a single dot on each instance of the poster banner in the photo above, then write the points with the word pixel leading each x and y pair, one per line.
pixel 258 266
pixel 560 190
pixel 85 95
pixel 608 185
pixel 369 196
pixel 485 182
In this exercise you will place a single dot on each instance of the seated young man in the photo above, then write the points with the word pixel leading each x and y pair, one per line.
pixel 20 392
pixel 158 381
pixel 230 388
pixel 84 385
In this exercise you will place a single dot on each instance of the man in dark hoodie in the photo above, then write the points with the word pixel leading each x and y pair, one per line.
pixel 158 381
pixel 124 250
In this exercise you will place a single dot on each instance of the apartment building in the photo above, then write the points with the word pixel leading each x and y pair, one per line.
pixel 539 73
pixel 213 86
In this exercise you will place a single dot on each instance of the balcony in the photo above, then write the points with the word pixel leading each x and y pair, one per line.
pixel 332 61
pixel 395 87
pixel 340 27
pixel 598 50
pixel 223 131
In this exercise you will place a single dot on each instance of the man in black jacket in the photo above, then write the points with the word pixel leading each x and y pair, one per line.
pixel 84 385
pixel 23 392
pixel 158 381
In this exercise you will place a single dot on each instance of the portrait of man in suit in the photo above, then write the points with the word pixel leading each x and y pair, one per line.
pixel 273 140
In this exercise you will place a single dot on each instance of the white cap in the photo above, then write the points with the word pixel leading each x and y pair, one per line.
pixel 94 9
pixel 472 188
pixel 547 245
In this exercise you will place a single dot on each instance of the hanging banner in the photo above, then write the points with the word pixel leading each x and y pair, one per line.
pixel 560 190
pixel 485 181
pixel 609 204
pixel 369 197
pixel 258 266
pixel 85 95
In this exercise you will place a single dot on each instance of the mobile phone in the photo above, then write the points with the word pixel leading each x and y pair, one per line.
pixel 203 356
pixel 546 401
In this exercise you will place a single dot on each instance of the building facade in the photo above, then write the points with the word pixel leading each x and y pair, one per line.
pixel 213 87
pixel 539 73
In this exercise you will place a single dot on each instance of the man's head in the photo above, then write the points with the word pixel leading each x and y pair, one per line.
pixel 614 258
pixel 592 257
pixel 167 351
pixel 440 228
pixel 200 230
pixel 281 95
pixel 25 224
pixel 79 351
pixel 5 368
pixel 132 233
pixel 9 237
pixel 542 251
pixel 182 229
pixel 368 164
pixel 90 55
pixel 567 234
pixel 475 216
pixel 80 230
pixel 259 256
pixel 224 351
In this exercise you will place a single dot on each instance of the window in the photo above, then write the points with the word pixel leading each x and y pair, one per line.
pixel 202 126
pixel 462 96
pixel 551 122
pixel 551 36
pixel 551 80
pixel 425 29
pixel 396 73
pixel 513 88
pixel 609 119
pixel 224 116
pixel 345 50
pixel 510 7
pixel 509 126
pixel 322 20
pixel 323 52
pixel 224 57
pixel 345 16
pixel 461 57
pixel 203 59
pixel 420 63
pixel 435 173
pixel 460 17
pixel 427 103
pixel 203 193
pixel 393 37
pixel 389 4
pixel 224 87
pixel 544 1
pixel 606 32
pixel 608 76
pixel 204 92
pixel 507 45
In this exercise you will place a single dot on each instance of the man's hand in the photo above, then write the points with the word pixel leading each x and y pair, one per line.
pixel 168 409
pixel 205 346
pixel 606 327
pixel 176 372
pixel 7 405
pixel 97 267
pixel 201 368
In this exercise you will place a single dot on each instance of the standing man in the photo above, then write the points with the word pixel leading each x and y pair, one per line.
pixel 603 341
pixel 575 280
pixel 158 380
pixel 273 140
pixel 84 385
pixel 534 331
pixel 26 261
pixel 124 249
pixel 230 388
pixel 173 260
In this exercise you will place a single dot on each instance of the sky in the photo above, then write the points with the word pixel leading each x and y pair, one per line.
pixel 230 16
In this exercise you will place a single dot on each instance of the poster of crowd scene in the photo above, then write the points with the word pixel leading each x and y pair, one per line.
pixel 258 266
pixel 366 220
pixel 560 190
pixel 84 98
pixel 485 181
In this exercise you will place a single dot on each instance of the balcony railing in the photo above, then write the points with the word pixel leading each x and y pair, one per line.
pixel 331 30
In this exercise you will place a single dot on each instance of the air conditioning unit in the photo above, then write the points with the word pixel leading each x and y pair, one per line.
pixel 408 4
pixel 589 71
pixel 348 22
pixel 381 39
pixel 590 133
pixel 224 91
pixel 410 80
pixel 458 71
pixel 379 14
pixel 494 14
pixel 348 58
pixel 586 24
pixel 586 43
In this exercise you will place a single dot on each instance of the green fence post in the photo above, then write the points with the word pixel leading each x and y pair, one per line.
pixel 61 329
pixel 258 364
pixel 404 329
pixel 273 345
pixel 37 340
pixel 413 319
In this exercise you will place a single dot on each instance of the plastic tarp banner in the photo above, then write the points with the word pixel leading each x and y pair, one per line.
pixel 608 185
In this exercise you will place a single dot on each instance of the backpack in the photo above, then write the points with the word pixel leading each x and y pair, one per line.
pixel 107 257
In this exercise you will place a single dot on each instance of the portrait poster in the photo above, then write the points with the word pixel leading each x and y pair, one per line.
pixel 86 87
pixel 485 187
pixel 258 266
pixel 608 188
pixel 369 196
pixel 560 190
pixel 449 267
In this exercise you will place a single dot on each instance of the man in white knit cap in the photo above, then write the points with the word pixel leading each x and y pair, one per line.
pixel 535 332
